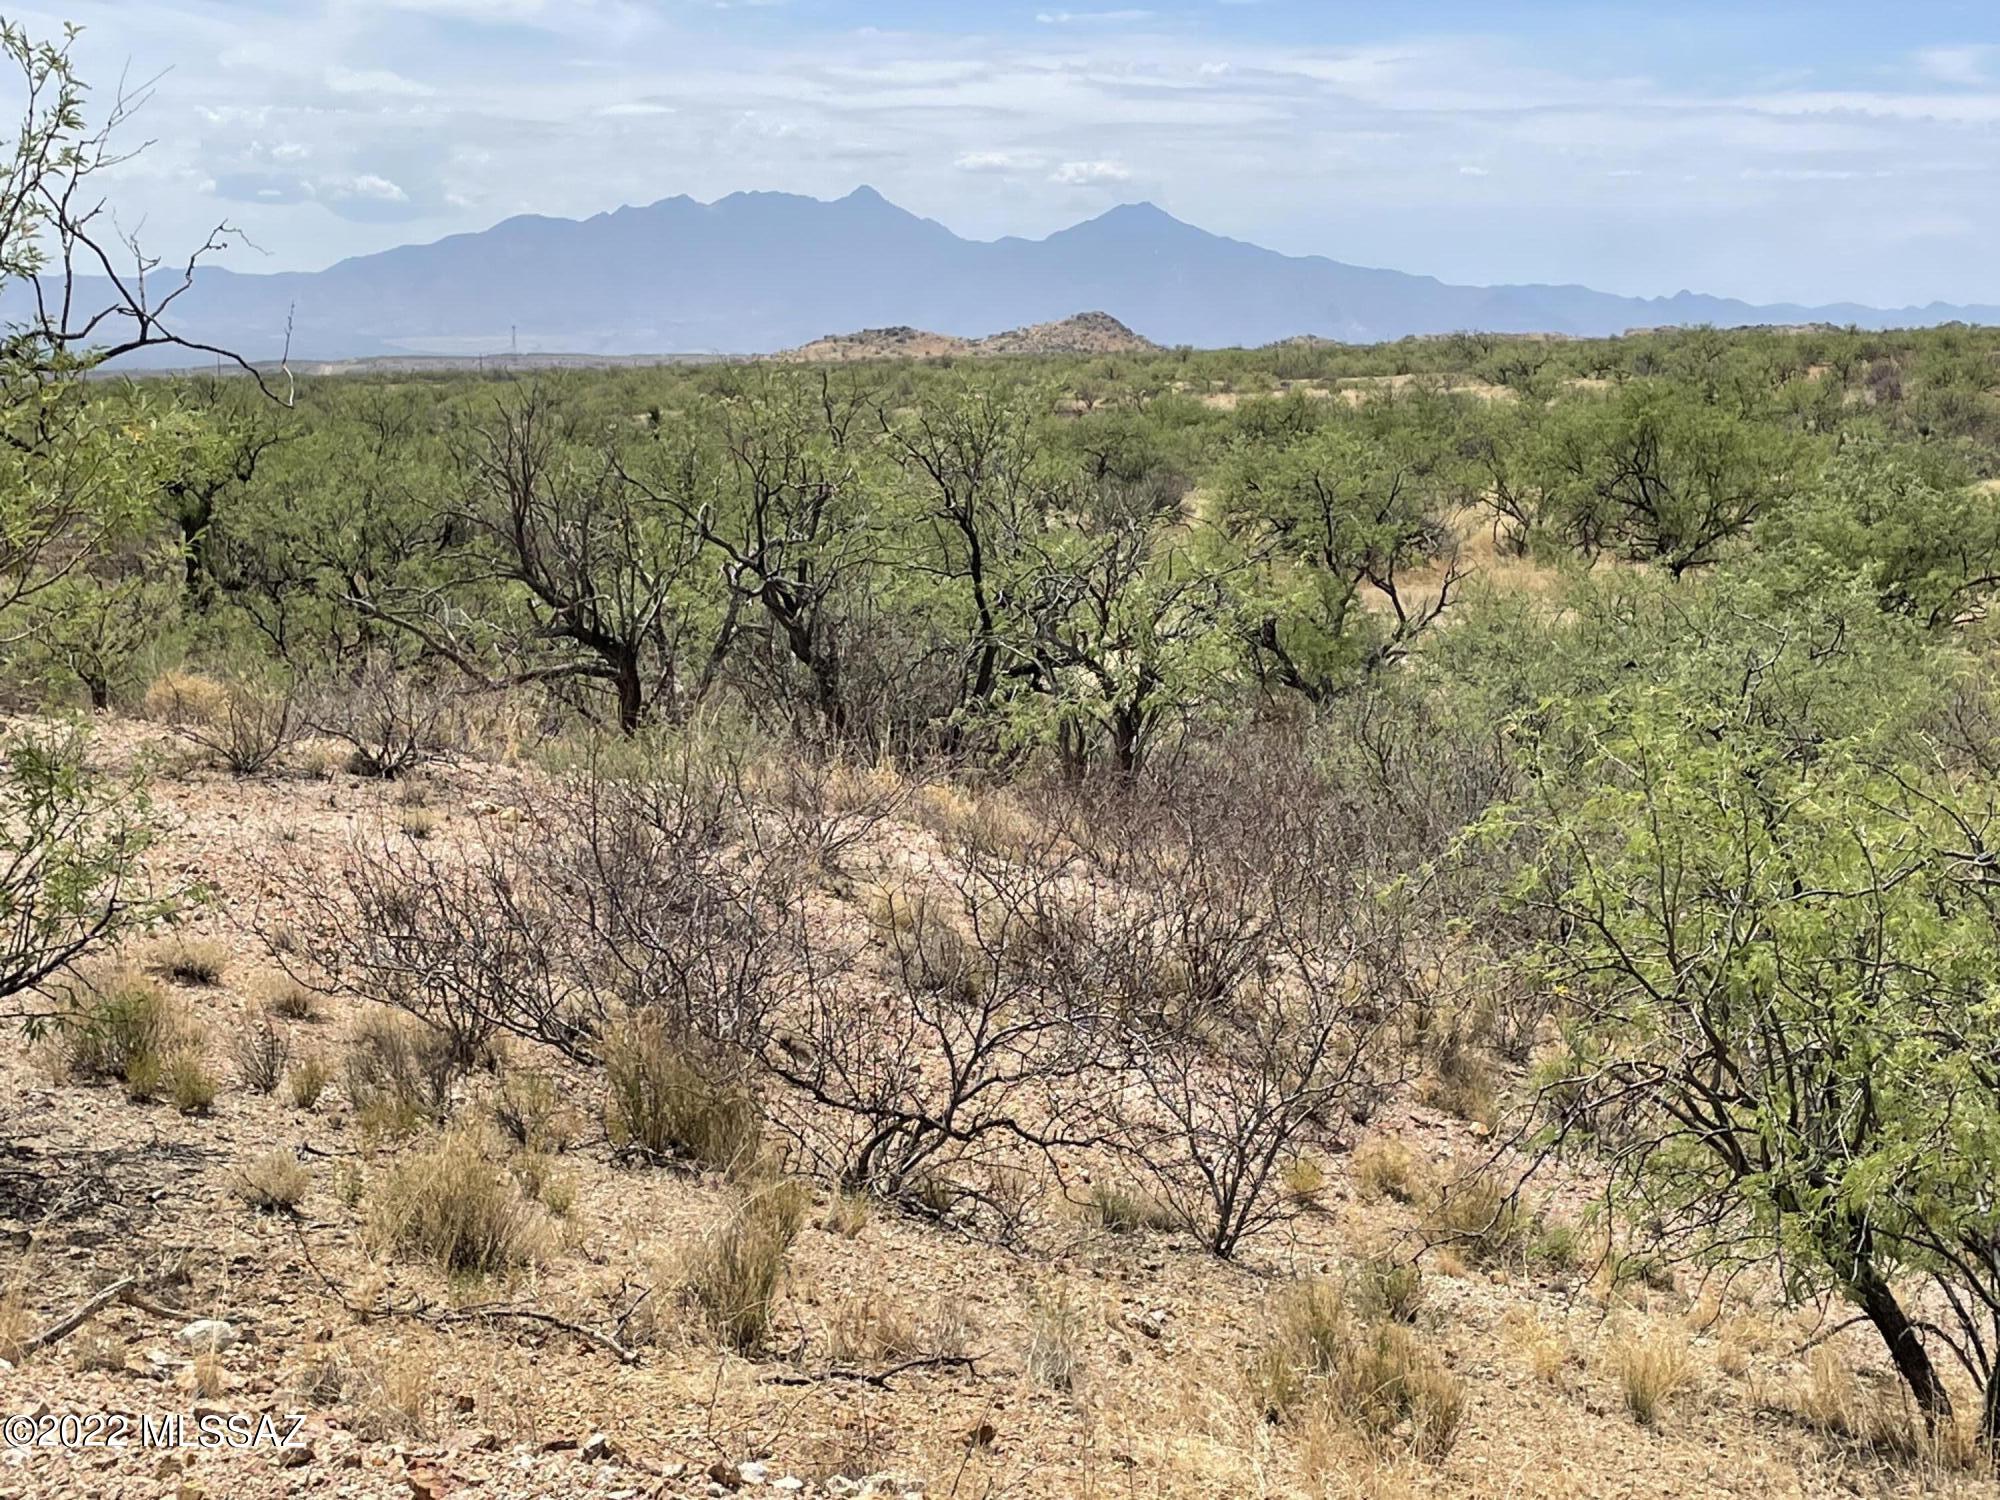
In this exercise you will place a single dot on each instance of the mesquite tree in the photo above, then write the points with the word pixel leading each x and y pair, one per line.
pixel 1782 978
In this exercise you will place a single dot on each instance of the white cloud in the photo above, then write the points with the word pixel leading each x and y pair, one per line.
pixel 636 107
pixel 995 161
pixel 366 186
pixel 1082 173
pixel 376 81
pixel 1086 17
pixel 1966 66
pixel 1469 171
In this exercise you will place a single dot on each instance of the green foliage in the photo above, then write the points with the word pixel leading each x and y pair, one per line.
pixel 1782 963
pixel 72 847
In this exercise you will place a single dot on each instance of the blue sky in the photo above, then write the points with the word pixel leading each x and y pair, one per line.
pixel 1773 151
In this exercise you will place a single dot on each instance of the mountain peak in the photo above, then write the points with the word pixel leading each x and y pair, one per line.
pixel 1144 212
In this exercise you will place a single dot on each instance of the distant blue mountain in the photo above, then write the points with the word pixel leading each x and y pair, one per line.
pixel 757 272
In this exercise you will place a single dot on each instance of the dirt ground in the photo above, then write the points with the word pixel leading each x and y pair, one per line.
pixel 93 1187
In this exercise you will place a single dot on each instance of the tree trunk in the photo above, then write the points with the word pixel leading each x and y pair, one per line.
pixel 631 692
pixel 1879 1305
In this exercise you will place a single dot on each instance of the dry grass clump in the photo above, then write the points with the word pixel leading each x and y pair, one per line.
pixel 1651 1371
pixel 667 1100
pixel 529 1110
pixel 104 1352
pixel 260 1053
pixel 1389 1289
pixel 733 1277
pixel 1303 1181
pixel 446 1203
pixel 1320 1361
pixel 286 998
pixel 240 724
pixel 187 1083
pixel 1463 1083
pixel 1542 1344
pixel 1124 1210
pixel 208 1375
pixel 1056 1325
pixel 120 1027
pixel 1482 1219
pixel 1385 1167
pixel 196 962
pixel 398 1072
pixel 846 1215
pixel 17 1323
pixel 870 1329
pixel 273 1182
pixel 1880 1416
pixel 384 1399
pixel 989 823
pixel 308 1080
pixel 542 1181
pixel 183 696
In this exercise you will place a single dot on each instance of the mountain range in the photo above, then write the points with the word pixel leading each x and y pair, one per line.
pixel 759 272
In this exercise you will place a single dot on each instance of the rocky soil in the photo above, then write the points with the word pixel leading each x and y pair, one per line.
pixel 399 1398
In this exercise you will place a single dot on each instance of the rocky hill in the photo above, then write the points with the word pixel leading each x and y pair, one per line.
pixel 1086 333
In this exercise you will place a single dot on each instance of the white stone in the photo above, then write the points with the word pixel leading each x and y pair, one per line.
pixel 206 1335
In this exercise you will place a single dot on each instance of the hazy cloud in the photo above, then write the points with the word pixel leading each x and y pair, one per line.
pixel 1080 173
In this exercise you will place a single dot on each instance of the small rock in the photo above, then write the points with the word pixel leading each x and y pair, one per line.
pixel 558 1445
pixel 1152 1322
pixel 751 1472
pixel 595 1447
pixel 791 1484
pixel 481 1441
pixel 206 1335
pixel 724 1475
pixel 296 1456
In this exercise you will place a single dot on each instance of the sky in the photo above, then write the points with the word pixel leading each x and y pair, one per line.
pixel 1768 149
